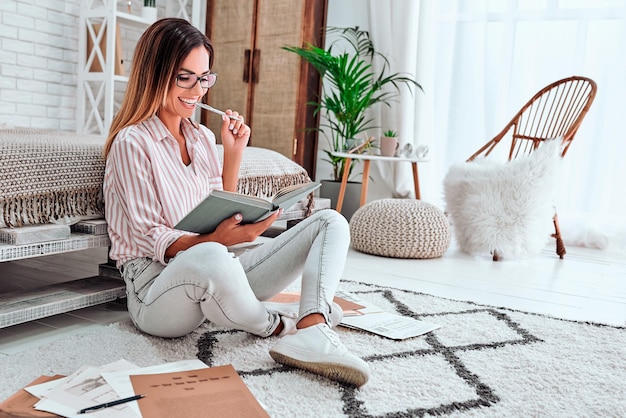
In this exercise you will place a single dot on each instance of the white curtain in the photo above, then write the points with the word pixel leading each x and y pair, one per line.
pixel 395 29
pixel 479 61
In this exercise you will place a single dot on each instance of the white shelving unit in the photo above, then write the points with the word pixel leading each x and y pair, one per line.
pixel 189 10
pixel 96 106
pixel 102 23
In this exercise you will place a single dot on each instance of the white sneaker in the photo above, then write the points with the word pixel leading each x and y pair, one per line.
pixel 289 315
pixel 317 349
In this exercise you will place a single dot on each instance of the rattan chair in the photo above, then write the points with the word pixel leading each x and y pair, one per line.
pixel 556 111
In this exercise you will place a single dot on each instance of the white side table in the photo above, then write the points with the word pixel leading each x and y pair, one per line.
pixel 367 158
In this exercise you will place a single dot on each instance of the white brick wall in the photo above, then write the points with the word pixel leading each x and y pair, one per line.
pixel 38 60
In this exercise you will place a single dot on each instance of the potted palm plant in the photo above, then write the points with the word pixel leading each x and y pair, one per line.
pixel 350 87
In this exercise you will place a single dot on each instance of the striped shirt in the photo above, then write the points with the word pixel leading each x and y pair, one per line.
pixel 148 188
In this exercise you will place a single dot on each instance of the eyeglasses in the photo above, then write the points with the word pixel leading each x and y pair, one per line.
pixel 188 81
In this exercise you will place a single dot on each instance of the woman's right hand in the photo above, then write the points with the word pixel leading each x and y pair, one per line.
pixel 235 134
pixel 231 231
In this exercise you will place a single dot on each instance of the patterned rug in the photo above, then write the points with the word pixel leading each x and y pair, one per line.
pixel 484 361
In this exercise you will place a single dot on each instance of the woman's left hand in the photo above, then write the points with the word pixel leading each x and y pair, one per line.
pixel 235 133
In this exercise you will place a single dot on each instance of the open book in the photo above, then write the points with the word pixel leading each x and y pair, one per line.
pixel 219 205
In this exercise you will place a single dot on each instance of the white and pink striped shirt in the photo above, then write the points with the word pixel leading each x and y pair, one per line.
pixel 148 188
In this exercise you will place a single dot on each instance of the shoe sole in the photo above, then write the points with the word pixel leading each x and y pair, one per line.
pixel 336 372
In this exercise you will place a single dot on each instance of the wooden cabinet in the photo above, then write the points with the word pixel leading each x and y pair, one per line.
pixel 269 85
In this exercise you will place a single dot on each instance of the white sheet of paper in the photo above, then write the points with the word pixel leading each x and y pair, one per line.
pixel 42 389
pixel 375 320
pixel 85 389
pixel 396 327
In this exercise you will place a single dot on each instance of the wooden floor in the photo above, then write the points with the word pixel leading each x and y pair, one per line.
pixel 587 285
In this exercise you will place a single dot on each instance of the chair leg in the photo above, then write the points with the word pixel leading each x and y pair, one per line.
pixel 560 246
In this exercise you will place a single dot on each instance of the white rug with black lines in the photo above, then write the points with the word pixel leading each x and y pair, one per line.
pixel 484 361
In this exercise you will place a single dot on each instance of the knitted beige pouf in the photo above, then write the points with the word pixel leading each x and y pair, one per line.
pixel 400 228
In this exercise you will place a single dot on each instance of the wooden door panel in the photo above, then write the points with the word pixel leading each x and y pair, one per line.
pixel 276 107
pixel 279 23
pixel 230 34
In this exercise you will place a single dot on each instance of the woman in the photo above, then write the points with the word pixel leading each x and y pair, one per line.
pixel 159 166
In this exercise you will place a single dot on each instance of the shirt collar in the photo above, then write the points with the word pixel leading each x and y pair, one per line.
pixel 190 129
pixel 160 131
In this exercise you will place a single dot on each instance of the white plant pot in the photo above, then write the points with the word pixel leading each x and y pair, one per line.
pixel 149 13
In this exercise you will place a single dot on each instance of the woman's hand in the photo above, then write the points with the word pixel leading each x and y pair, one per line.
pixel 235 133
pixel 231 231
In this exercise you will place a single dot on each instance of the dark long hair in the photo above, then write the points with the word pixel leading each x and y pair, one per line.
pixel 158 55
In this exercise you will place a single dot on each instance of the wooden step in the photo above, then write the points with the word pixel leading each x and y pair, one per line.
pixel 32 234
pixel 28 305
pixel 77 241
pixel 109 270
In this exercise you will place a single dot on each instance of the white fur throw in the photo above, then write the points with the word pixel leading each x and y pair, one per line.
pixel 504 207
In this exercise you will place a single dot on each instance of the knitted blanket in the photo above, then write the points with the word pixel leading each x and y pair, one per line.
pixel 263 172
pixel 49 176
pixel 56 176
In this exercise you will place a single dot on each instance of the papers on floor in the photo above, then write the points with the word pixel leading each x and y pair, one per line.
pixel 377 321
pixel 120 380
pixel 216 391
pixel 83 388
pixel 363 315
pixel 20 404
pixel 181 389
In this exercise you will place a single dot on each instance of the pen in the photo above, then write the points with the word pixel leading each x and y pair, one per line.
pixel 112 403
pixel 214 110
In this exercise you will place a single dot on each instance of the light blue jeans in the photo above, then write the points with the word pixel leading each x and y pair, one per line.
pixel 208 282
